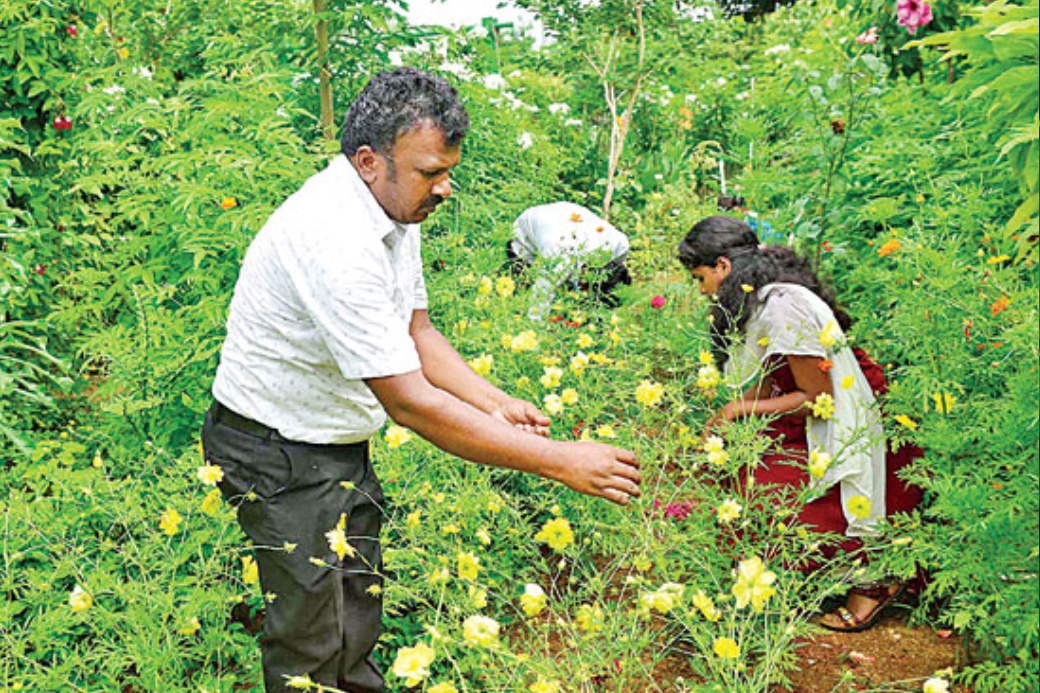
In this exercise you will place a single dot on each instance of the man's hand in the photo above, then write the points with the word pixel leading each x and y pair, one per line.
pixel 523 415
pixel 601 470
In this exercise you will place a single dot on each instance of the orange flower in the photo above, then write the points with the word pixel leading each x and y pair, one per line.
pixel 575 217
pixel 889 247
pixel 1000 305
pixel 228 203
pixel 826 365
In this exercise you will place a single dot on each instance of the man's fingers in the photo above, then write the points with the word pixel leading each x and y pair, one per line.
pixel 626 456
pixel 627 487
pixel 619 497
pixel 628 472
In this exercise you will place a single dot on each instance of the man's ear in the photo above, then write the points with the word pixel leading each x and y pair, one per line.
pixel 368 163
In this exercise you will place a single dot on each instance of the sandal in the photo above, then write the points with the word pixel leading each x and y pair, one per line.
pixel 851 623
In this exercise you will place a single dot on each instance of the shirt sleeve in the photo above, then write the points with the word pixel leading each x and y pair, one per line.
pixel 421 299
pixel 341 281
pixel 792 323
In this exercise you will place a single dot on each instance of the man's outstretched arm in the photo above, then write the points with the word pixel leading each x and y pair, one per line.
pixel 445 369
pixel 461 429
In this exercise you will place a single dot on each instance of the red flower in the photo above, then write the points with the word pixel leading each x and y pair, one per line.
pixel 838 126
pixel 61 123
pixel 827 247
pixel 556 318
pixel 657 302
pixel 72 30
pixel 40 269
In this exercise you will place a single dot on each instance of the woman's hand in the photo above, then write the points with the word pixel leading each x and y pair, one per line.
pixel 721 418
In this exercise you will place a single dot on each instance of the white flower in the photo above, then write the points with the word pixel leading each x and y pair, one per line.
pixel 142 72
pixel 494 81
pixel 721 81
pixel 525 140
pixel 936 685
pixel 113 90
pixel 572 122
pixel 563 108
pixel 778 49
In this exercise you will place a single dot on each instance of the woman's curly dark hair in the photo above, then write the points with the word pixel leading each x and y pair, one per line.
pixel 752 265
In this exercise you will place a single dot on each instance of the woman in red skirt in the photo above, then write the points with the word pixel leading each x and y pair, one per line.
pixel 782 339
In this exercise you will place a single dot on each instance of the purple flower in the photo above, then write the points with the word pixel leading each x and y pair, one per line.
pixel 913 14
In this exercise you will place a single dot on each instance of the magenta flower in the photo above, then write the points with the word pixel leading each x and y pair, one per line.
pixel 868 37
pixel 657 302
pixel 913 14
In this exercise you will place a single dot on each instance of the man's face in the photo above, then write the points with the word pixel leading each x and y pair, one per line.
pixel 414 177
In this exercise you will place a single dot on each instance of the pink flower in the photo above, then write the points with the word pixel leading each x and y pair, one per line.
pixel 868 37
pixel 657 302
pixel 913 14
pixel 678 510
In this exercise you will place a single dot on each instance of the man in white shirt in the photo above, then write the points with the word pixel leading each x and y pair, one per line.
pixel 564 243
pixel 328 333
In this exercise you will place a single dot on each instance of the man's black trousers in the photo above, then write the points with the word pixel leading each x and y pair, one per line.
pixel 322 613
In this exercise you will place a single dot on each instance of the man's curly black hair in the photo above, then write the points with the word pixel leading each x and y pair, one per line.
pixel 398 101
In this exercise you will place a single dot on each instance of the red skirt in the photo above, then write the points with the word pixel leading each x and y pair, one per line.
pixel 784 472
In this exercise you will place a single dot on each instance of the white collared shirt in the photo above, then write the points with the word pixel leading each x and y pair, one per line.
pixel 324 300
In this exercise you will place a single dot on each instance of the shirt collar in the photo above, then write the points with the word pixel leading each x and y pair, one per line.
pixel 343 171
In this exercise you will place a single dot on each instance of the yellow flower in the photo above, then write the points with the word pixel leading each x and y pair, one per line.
pixel 590 618
pixel 483 537
pixel 553 404
pixel 585 341
pixel 907 421
pixel 726 648
pixel 860 506
pixel 747 288
pixel 706 358
pixel 480 630
pixel 828 334
pixel 228 203
pixel 664 599
pixel 847 382
pixel 569 396
pixel 649 393
pixel 706 606
pixel 124 53
pixel 578 362
pixel 443 687
pixel 414 519
pixel 80 599
pixel 551 377
pixel 729 511
pixel 532 601
pixel 396 436
pixel 337 538
pixel 606 431
pixel 819 463
pixel 413 663
pixel 708 377
pixel 823 406
pixel 505 286
pixel 715 447
pixel 477 597
pixel 250 571
pixel 615 337
pixel 525 341
pixel 944 402
pixel 545 686
pixel 468 566
pixel 764 342
pixel 211 503
pixel 482 364
pixel 557 533
pixel 210 474
pixel 754 584
pixel 170 521
pixel 486 286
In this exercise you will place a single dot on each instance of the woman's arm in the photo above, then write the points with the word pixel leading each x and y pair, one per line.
pixel 810 382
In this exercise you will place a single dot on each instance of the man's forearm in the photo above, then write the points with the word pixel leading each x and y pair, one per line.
pixel 445 369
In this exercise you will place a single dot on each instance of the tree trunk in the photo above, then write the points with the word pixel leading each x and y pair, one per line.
pixel 321 34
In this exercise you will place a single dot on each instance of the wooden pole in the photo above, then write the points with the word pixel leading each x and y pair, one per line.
pixel 321 34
